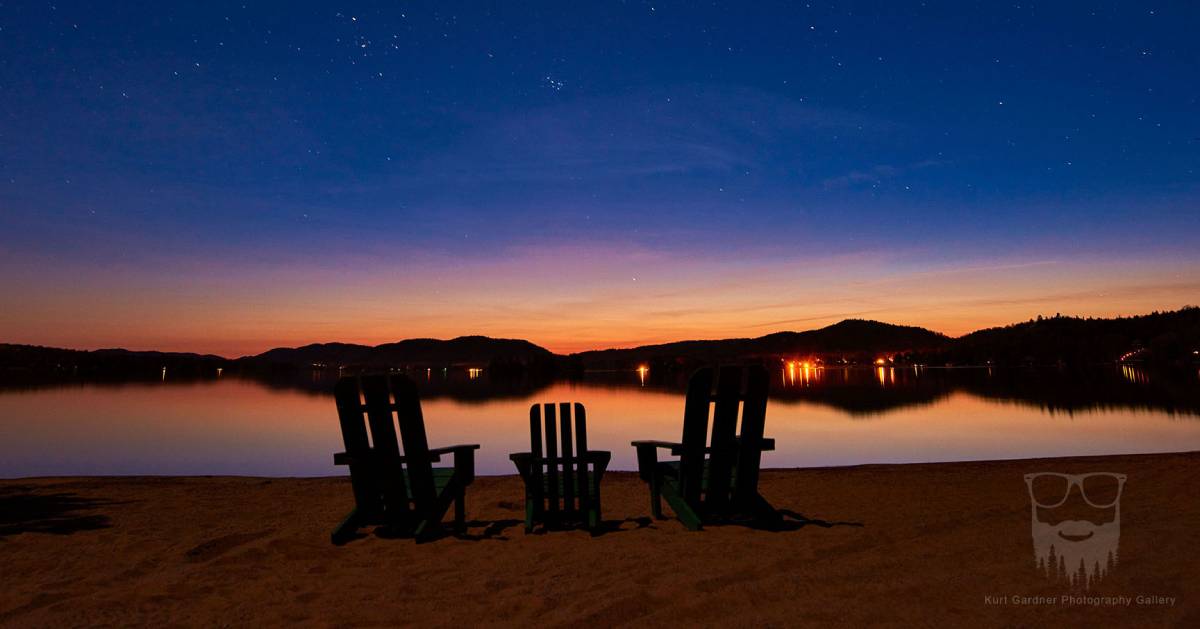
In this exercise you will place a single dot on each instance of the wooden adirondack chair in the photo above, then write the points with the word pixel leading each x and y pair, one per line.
pixel 404 492
pixel 552 476
pixel 718 480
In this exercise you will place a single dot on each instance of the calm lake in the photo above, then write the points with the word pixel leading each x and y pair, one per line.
pixel 819 417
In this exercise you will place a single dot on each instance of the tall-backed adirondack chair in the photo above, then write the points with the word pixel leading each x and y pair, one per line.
pixel 560 487
pixel 715 480
pixel 404 492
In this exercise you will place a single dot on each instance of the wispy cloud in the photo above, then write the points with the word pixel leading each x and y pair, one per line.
pixel 877 174
pixel 666 130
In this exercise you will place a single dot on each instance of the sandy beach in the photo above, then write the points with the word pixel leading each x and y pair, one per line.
pixel 903 545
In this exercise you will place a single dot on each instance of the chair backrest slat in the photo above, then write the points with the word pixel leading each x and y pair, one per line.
pixel 386 447
pixel 585 497
pixel 723 446
pixel 363 479
pixel 551 416
pixel 581 445
pixel 754 416
pixel 695 434
pixel 416 444
pixel 568 461
pixel 535 448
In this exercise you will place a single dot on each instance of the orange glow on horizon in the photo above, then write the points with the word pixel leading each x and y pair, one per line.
pixel 566 301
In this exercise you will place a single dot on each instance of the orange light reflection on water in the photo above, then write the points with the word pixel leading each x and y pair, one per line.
pixel 1134 374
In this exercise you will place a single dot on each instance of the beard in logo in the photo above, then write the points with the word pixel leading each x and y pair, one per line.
pixel 1078 551
pixel 1076 525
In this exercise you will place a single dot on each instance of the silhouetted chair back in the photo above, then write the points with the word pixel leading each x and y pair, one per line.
pixel 714 478
pixel 562 483
pixel 405 492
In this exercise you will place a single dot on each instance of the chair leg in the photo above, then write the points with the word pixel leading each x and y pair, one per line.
pixel 530 513
pixel 682 509
pixel 347 530
pixel 593 511
pixel 655 500
pixel 647 459
pixel 460 512
pixel 424 531
pixel 432 519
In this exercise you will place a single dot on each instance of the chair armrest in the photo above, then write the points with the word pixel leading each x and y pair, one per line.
pixel 647 456
pixel 524 462
pixel 464 460
pixel 599 460
pixel 596 456
pixel 435 455
pixel 655 444
pixel 767 443
pixel 455 450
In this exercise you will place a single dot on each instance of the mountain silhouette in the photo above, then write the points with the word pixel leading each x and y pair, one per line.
pixel 1161 337
pixel 20 362
pixel 464 350
pixel 852 339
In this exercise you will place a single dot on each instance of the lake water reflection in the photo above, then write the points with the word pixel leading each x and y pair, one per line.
pixel 818 416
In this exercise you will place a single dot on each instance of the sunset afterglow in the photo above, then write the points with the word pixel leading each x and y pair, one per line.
pixel 564 302
pixel 195 180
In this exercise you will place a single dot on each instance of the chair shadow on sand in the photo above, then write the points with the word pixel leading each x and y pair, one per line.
pixel 26 509
pixel 492 530
pixel 792 521
pixel 602 528
pixel 499 530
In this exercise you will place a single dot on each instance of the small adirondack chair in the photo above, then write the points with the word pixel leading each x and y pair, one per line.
pixel 404 492
pixel 717 480
pixel 551 476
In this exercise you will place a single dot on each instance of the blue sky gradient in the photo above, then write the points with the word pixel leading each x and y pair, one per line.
pixel 292 149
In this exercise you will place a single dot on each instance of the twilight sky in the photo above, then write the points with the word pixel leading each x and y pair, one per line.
pixel 226 178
